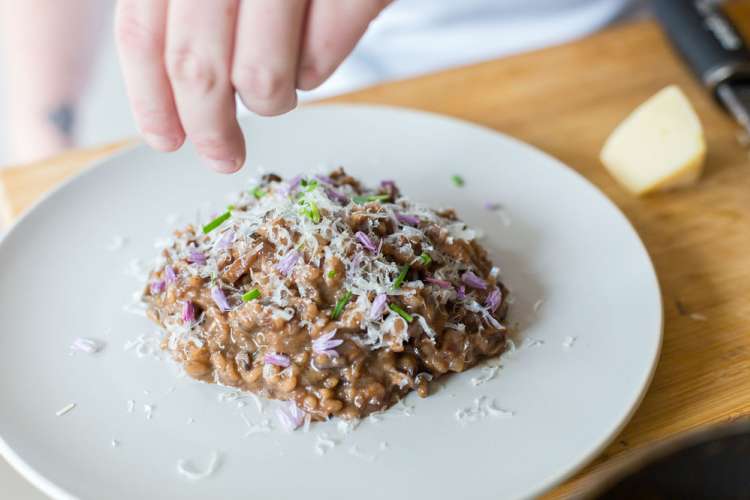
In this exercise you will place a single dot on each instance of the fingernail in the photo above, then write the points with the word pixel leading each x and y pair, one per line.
pixel 308 77
pixel 224 166
pixel 162 143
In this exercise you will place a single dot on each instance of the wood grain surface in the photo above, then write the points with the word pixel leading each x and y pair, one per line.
pixel 566 100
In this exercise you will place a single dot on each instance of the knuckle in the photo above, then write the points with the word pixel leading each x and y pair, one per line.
pixel 192 71
pixel 155 120
pixel 259 82
pixel 212 145
pixel 135 35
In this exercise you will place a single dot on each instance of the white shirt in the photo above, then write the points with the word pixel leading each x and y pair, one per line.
pixel 413 37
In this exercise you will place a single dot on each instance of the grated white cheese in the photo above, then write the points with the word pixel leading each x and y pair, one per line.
pixel 481 408
pixel 568 342
pixel 86 345
pixel 224 397
pixel 185 468
pixel 65 410
pixel 148 410
pixel 356 452
pixel 145 346
pixel 402 408
pixel 190 420
pixel 529 342
pixel 488 373
pixel 347 426
pixel 135 309
pixel 538 305
pixel 324 444
pixel 383 446
pixel 162 243
pixel 306 425
pixel 116 243
pixel 504 216
pixel 115 443
pixel 137 270
pixel 131 405
pixel 698 317
pixel 375 418
pixel 258 402
pixel 260 427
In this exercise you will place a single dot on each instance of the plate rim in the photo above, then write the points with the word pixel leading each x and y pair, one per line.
pixel 51 489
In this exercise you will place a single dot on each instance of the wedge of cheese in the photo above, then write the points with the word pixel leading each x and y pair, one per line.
pixel 659 146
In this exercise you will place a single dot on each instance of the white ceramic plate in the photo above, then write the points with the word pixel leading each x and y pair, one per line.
pixel 558 240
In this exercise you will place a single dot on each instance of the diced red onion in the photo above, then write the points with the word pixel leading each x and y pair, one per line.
pixel 287 263
pixel 325 344
pixel 291 185
pixel 493 300
pixel 388 183
pixel 410 220
pixel 438 282
pixel 491 205
pixel 336 196
pixel 89 346
pixel 357 261
pixel 290 416
pixel 188 312
pixel 473 280
pixel 492 321
pixel 461 293
pixel 196 257
pixel 276 360
pixel 366 241
pixel 378 306
pixel 170 275
pixel 226 240
pixel 221 300
pixel 325 179
pixel 157 287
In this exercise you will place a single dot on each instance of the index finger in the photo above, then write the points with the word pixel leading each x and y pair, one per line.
pixel 140 31
pixel 328 41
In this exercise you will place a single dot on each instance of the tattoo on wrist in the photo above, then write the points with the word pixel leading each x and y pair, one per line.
pixel 63 118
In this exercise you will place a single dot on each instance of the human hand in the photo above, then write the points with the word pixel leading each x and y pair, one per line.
pixel 184 60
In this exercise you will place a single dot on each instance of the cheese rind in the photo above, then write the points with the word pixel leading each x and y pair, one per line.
pixel 660 146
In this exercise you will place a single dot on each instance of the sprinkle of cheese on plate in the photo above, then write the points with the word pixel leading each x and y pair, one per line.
pixel 659 146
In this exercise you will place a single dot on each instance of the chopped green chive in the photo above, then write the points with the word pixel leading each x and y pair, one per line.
pixel 340 304
pixel 251 295
pixel 395 308
pixel 331 274
pixel 361 200
pixel 258 192
pixel 309 185
pixel 458 180
pixel 425 258
pixel 310 209
pixel 401 276
pixel 216 222
pixel 231 207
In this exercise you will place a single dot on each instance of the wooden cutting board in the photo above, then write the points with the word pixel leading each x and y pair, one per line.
pixel 566 100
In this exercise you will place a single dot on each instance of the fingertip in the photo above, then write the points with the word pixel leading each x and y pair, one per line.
pixel 270 108
pixel 165 144
pixel 225 166
pixel 309 78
